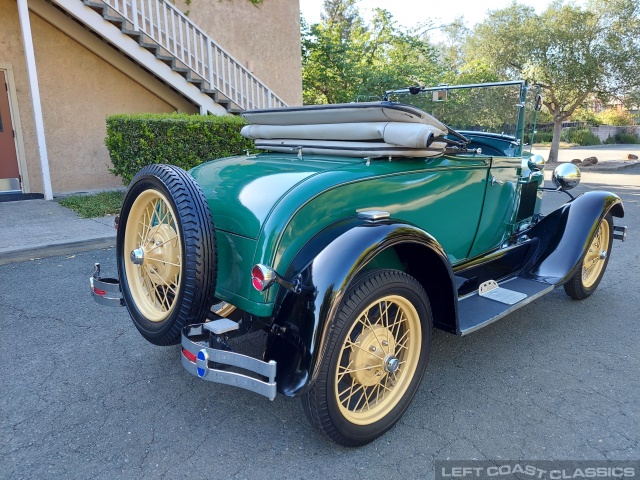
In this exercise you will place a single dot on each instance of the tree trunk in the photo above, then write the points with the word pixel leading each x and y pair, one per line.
pixel 555 142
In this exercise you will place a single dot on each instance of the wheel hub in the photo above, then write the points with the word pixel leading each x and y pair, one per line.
pixel 160 253
pixel 137 256
pixel 372 359
pixel 391 364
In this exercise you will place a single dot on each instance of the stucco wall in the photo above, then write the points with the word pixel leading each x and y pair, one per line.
pixel 605 131
pixel 78 90
pixel 265 38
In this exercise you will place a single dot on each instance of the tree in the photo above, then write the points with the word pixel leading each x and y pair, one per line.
pixel 344 59
pixel 342 14
pixel 572 52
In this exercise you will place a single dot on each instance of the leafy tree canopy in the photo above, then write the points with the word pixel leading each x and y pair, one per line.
pixel 572 52
pixel 345 59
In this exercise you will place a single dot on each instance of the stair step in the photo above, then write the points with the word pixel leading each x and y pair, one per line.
pixel 152 47
pixel 476 311
pixel 117 21
pixel 197 81
pixel 215 95
pixel 135 34
pixel 179 69
pixel 96 6
pixel 169 60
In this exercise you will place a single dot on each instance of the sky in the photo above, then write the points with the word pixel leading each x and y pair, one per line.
pixel 409 13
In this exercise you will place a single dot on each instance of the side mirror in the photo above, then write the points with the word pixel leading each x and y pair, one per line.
pixel 538 105
pixel 536 163
pixel 566 176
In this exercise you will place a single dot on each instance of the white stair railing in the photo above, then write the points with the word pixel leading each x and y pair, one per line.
pixel 174 32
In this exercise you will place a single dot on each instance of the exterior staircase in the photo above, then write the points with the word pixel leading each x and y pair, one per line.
pixel 165 42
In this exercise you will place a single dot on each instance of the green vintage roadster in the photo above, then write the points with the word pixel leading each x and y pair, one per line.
pixel 363 227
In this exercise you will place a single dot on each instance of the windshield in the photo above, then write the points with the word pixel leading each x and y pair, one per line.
pixel 498 108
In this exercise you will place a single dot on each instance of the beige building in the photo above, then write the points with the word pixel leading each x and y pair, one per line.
pixel 67 64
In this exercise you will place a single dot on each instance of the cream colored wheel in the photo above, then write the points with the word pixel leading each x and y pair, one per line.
pixel 595 258
pixel 585 281
pixel 154 266
pixel 166 253
pixel 378 360
pixel 378 346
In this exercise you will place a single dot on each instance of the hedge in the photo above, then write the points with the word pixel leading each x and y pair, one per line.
pixel 137 140
pixel 623 138
pixel 583 137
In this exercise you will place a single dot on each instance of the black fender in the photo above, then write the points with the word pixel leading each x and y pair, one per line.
pixel 326 266
pixel 566 233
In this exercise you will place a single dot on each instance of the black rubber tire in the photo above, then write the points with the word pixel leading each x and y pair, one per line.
pixel 319 401
pixel 575 287
pixel 199 258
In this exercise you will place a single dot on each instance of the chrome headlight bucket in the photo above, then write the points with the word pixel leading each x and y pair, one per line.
pixel 566 176
pixel 536 163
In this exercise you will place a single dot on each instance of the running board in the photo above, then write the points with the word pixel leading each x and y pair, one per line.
pixel 492 302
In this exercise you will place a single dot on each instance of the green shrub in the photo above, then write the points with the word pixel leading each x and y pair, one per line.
pixel 539 137
pixel 615 117
pixel 622 138
pixel 583 137
pixel 135 141
pixel 582 114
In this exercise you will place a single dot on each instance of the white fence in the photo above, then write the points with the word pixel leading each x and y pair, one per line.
pixel 174 32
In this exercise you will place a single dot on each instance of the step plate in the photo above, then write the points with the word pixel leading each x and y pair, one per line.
pixel 475 312
pixel 492 291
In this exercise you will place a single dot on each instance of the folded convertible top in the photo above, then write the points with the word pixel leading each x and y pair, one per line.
pixel 350 129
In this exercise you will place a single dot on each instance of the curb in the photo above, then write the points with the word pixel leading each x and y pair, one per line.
pixel 605 168
pixel 13 255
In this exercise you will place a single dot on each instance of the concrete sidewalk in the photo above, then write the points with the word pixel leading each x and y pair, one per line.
pixel 39 228
pixel 610 157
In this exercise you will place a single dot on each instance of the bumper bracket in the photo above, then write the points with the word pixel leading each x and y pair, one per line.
pixel 199 360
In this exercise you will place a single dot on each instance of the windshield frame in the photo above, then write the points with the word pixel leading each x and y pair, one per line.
pixel 524 87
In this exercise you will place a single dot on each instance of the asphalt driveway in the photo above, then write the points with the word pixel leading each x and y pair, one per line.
pixel 84 396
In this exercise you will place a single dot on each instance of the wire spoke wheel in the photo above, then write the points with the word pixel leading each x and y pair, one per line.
pixel 378 359
pixel 379 343
pixel 155 260
pixel 166 253
pixel 595 258
pixel 594 263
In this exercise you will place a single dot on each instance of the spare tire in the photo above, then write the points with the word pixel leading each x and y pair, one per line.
pixel 166 253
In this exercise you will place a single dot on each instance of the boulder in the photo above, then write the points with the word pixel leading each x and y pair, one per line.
pixel 576 161
pixel 631 156
pixel 589 161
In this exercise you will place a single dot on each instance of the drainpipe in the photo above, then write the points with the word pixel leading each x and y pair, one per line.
pixel 25 26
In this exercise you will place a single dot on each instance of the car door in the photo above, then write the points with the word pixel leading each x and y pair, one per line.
pixel 500 201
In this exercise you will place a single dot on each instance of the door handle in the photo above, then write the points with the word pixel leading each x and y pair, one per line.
pixel 494 181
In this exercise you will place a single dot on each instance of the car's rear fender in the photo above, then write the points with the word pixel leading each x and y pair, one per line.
pixel 566 233
pixel 327 265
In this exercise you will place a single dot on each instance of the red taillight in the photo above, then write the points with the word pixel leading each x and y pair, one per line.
pixel 189 356
pixel 262 277
pixel 257 278
pixel 99 292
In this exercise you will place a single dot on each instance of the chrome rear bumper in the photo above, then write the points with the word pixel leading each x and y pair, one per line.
pixel 199 360
pixel 105 291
